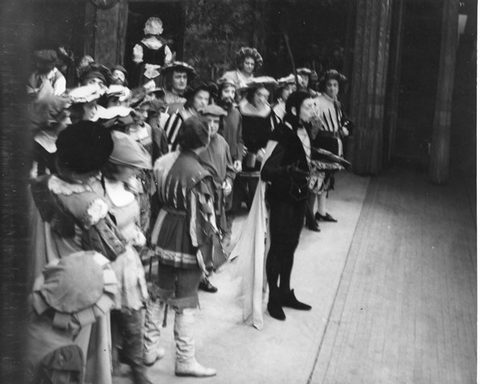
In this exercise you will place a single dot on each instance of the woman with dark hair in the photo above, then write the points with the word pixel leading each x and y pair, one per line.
pixel 182 239
pixel 247 60
pixel 331 126
pixel 257 125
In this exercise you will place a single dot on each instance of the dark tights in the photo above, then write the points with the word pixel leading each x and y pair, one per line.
pixel 286 223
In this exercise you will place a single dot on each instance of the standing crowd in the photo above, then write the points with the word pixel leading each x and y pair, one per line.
pixel 157 171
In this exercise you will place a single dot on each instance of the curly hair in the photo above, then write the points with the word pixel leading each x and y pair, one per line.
pixel 245 52
pixel 329 75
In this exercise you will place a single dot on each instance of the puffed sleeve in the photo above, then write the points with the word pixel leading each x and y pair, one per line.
pixel 137 53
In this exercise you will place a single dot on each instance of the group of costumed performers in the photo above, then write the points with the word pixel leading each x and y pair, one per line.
pixel 160 171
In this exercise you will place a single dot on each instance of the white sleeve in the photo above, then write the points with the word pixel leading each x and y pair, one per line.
pixel 168 55
pixel 137 53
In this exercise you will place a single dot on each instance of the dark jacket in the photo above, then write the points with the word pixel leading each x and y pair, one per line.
pixel 287 168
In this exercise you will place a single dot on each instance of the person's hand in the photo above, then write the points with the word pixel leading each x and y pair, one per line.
pixel 237 165
pixel 260 154
pixel 296 173
pixel 345 131
pixel 244 152
pixel 227 187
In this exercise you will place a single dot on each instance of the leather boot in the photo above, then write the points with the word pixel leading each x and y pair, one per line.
pixel 152 351
pixel 289 300
pixel 185 363
pixel 139 374
pixel 274 306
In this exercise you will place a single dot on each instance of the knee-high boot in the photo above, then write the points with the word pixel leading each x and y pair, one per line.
pixel 153 323
pixel 185 362
pixel 133 345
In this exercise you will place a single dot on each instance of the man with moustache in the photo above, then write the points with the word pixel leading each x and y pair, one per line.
pixel 231 130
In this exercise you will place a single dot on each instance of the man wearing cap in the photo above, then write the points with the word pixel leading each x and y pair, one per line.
pixel 217 161
pixel 177 76
pixel 47 79
pixel 196 98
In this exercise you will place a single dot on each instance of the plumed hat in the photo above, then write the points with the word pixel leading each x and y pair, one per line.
pixel 245 52
pixel 329 75
pixel 213 110
pixel 194 133
pixel 84 147
pixel 128 152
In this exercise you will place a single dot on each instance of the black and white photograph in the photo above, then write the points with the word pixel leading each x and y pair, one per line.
pixel 238 191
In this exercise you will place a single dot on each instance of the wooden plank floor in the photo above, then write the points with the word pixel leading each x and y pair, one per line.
pixel 405 310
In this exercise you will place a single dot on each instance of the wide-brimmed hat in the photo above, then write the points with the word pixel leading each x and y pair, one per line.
pixel 304 71
pixel 95 70
pixel 49 110
pixel 85 93
pixel 179 66
pixel 262 81
pixel 128 152
pixel 287 80
pixel 77 289
pixel 84 147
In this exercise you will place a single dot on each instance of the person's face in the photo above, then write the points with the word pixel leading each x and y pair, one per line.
pixel 125 173
pixel 260 97
pixel 89 110
pixel 248 65
pixel 228 94
pixel 331 87
pixel 200 100
pixel 213 124
pixel 64 122
pixel 307 111
pixel 179 82
pixel 95 81
pixel 141 114
pixel 303 81
pixel 118 77
pixel 287 91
